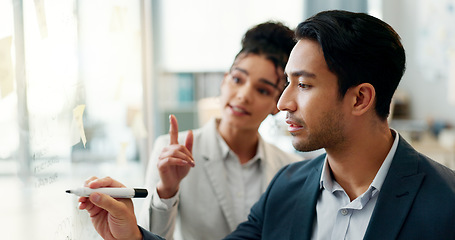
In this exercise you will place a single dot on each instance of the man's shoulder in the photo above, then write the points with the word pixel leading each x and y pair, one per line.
pixel 437 174
pixel 437 179
pixel 423 164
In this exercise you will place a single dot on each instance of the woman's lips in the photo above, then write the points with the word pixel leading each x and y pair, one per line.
pixel 237 110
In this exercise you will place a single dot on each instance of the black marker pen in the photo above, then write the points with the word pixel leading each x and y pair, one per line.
pixel 113 192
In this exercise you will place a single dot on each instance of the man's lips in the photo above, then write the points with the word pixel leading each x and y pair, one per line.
pixel 293 126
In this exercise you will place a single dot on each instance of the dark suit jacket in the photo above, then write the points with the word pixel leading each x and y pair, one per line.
pixel 146 235
pixel 417 201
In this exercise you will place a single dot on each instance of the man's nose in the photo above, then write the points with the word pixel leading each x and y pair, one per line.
pixel 286 101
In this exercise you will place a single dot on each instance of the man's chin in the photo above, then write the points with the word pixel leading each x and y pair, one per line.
pixel 303 146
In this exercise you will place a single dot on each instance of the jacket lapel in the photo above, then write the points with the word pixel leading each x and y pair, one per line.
pixel 215 170
pixel 269 165
pixel 306 206
pixel 397 194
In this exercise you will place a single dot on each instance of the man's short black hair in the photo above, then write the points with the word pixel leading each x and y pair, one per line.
pixel 358 48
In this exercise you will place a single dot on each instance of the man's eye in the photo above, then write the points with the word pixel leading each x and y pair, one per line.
pixel 303 85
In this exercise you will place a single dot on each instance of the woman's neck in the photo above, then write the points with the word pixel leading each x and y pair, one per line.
pixel 243 142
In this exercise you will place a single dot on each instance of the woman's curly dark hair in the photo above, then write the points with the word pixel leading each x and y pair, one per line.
pixel 271 39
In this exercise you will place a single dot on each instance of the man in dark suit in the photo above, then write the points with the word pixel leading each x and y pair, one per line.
pixel 370 184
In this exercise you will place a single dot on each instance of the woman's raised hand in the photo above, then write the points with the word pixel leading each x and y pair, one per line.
pixel 174 162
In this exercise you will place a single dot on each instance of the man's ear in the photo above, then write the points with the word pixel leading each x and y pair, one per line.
pixel 363 98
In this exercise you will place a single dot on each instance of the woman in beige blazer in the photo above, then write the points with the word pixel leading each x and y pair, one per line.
pixel 203 183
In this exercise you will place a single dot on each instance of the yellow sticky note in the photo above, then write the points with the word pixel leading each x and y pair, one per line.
pixel 6 67
pixel 121 158
pixel 77 125
pixel 41 17
pixel 138 126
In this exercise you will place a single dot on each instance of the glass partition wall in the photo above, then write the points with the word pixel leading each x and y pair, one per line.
pixel 71 97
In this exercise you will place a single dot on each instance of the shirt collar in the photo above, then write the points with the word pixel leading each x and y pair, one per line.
pixel 327 182
pixel 326 177
pixel 224 148
pixel 384 169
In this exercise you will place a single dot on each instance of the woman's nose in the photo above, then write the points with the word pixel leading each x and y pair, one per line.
pixel 245 92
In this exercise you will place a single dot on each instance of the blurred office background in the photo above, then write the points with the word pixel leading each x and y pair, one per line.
pixel 87 85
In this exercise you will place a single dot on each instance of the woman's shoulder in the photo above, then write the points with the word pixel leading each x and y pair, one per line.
pixel 273 151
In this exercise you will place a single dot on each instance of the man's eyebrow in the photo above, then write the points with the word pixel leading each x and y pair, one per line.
pixel 301 73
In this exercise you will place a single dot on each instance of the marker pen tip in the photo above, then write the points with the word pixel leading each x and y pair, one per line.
pixel 68 191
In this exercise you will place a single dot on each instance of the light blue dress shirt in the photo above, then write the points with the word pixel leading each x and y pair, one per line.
pixel 244 180
pixel 339 218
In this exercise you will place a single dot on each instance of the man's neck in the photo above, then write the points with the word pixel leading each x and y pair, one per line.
pixel 355 166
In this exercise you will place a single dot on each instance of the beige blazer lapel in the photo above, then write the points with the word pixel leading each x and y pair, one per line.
pixel 271 162
pixel 214 168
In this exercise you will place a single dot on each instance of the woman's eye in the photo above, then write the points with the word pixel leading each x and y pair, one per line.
pixel 264 91
pixel 236 79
